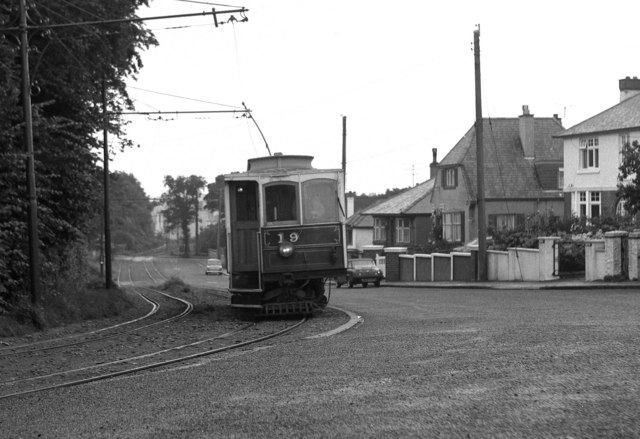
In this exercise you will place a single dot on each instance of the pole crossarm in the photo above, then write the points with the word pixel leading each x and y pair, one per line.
pixel 158 113
pixel 123 20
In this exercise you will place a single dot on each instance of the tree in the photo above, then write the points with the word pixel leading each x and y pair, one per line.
pixel 629 177
pixel 181 199
pixel 214 198
pixel 68 68
pixel 131 224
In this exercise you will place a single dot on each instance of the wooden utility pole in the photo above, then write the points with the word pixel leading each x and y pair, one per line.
pixel 220 211
pixel 482 230
pixel 344 150
pixel 197 203
pixel 32 209
pixel 107 217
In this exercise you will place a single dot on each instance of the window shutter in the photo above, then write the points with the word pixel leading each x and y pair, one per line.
pixel 455 177
pixel 462 239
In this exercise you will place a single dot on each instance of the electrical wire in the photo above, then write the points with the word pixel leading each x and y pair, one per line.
pixel 73 5
pixel 208 3
pixel 184 97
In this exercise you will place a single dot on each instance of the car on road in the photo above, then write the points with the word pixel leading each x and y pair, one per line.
pixel 214 266
pixel 361 271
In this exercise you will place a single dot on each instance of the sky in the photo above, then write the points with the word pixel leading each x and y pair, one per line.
pixel 401 72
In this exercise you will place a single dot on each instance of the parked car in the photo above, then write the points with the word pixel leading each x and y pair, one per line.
pixel 361 271
pixel 214 266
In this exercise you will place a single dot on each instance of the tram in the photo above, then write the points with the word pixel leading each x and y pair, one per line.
pixel 285 223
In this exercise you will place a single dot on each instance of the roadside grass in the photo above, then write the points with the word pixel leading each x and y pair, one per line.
pixel 68 305
pixel 204 303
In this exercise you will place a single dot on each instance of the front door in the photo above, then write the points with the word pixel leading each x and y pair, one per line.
pixel 245 225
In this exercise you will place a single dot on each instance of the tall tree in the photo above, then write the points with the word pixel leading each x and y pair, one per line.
pixel 181 201
pixel 131 223
pixel 68 66
pixel 214 201
pixel 195 184
pixel 629 177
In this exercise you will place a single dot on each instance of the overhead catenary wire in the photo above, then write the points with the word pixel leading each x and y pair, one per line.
pixel 184 97
pixel 122 20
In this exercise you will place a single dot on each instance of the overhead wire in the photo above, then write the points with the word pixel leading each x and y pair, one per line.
pixel 185 98
pixel 209 3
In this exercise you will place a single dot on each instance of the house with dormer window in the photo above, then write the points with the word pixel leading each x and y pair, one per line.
pixel 522 176
pixel 593 154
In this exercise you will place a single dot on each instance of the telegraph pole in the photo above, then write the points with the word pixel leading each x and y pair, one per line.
pixel 482 230
pixel 32 210
pixel 344 150
pixel 107 216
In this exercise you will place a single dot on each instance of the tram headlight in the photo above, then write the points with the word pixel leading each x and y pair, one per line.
pixel 285 249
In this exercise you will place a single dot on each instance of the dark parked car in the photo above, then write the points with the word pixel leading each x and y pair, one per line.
pixel 361 271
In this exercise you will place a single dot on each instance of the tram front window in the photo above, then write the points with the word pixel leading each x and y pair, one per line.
pixel 280 201
pixel 320 201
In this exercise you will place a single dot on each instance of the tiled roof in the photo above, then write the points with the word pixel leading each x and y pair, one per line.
pixel 507 174
pixel 358 220
pixel 408 201
pixel 623 116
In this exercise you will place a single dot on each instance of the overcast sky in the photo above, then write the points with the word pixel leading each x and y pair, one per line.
pixel 402 73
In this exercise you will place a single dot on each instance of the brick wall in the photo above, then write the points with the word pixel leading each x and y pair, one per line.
pixel 392 255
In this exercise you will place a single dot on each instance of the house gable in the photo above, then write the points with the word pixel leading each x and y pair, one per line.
pixel 521 171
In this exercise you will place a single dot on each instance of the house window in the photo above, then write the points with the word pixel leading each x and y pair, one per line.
pixel 452 226
pixel 379 230
pixel 506 221
pixel 589 204
pixel 625 139
pixel 589 153
pixel 620 209
pixel 450 178
pixel 561 178
pixel 594 204
pixel 403 230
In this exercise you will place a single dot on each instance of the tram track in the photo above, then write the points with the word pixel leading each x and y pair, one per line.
pixel 109 352
pixel 134 364
pixel 180 333
pixel 110 331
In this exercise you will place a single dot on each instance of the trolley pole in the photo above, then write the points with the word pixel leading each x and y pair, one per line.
pixel 32 209
pixel 482 231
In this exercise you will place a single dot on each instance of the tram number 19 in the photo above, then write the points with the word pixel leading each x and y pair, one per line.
pixel 293 237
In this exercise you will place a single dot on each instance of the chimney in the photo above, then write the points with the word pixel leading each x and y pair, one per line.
pixel 351 202
pixel 434 163
pixel 526 133
pixel 629 87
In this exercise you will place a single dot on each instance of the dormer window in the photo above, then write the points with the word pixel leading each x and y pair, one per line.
pixel 589 153
pixel 450 178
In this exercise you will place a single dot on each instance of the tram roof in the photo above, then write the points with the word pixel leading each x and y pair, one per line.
pixel 279 163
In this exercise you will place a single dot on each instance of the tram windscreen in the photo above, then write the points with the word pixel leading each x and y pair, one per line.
pixel 320 201
pixel 280 201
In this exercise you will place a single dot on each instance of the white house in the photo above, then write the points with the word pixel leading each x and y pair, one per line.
pixel 592 155
pixel 206 218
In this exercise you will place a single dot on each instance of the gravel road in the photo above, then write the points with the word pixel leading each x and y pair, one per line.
pixel 423 363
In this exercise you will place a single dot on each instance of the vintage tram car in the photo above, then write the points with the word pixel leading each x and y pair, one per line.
pixel 285 223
